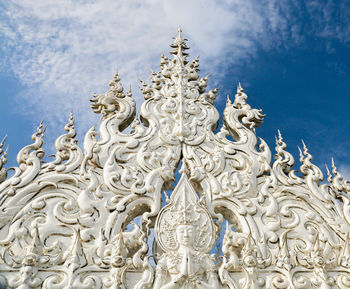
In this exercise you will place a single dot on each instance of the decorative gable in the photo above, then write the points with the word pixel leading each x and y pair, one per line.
pixel 97 218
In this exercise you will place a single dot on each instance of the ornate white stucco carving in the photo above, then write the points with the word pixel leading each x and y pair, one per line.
pixel 97 217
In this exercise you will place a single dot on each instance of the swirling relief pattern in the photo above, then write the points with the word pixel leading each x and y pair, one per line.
pixel 86 219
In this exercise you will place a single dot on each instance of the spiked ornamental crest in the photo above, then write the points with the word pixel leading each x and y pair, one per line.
pixel 87 218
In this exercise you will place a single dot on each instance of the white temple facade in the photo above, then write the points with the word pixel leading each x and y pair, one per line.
pixel 110 216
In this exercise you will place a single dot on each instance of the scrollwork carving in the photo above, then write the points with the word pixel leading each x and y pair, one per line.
pixel 87 218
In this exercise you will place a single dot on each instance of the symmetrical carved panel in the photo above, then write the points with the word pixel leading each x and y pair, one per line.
pixel 100 217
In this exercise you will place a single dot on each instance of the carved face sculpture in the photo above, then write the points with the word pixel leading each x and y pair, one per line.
pixel 186 235
pixel 184 222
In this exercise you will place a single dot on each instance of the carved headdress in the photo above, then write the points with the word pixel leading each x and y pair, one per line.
pixel 184 209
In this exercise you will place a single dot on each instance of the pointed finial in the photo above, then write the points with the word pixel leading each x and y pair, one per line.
pixel 240 102
pixel 330 177
pixel 228 101
pixel 179 32
pixel 184 169
pixel 338 180
pixel 178 39
pixel 2 143
pixel 304 146
pixel 239 88
pixel 167 199
pixel 71 116
pixel 300 153
pixel 179 46
pixel 40 131
pixel 306 152
pixel 334 168
pixel 280 144
pixel 70 125
pixel 301 158
pixel 116 78
pixel 66 142
pixel 3 154
pixel 25 153
pixel 280 138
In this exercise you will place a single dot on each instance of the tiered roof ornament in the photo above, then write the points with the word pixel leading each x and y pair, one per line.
pixel 98 218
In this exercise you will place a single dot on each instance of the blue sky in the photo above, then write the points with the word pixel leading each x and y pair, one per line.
pixel 292 58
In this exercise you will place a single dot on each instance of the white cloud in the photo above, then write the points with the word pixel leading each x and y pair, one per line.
pixel 330 20
pixel 63 51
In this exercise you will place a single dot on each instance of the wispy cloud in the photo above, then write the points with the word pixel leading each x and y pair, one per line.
pixel 63 51
pixel 330 19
